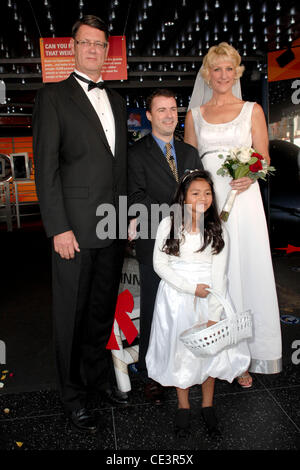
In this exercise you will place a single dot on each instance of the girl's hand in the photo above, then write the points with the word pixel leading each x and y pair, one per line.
pixel 210 322
pixel 201 291
pixel 241 184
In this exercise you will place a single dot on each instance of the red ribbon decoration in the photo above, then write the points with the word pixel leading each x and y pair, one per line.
pixel 290 249
pixel 125 303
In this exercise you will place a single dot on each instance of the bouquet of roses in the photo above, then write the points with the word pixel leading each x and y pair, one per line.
pixel 240 162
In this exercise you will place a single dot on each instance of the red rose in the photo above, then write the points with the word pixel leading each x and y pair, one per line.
pixel 256 166
pixel 257 155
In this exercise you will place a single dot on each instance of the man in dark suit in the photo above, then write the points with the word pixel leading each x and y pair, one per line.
pixel 152 180
pixel 80 150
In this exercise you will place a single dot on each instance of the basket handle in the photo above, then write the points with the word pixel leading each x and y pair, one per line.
pixel 230 313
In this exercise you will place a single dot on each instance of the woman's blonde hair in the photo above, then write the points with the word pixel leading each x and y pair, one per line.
pixel 221 51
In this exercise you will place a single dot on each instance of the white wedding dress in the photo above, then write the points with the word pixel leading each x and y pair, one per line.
pixel 251 283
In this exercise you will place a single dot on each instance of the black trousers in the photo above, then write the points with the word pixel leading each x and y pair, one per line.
pixel 149 282
pixel 85 291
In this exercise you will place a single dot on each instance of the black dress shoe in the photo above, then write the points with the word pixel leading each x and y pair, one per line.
pixel 115 396
pixel 83 420
pixel 154 392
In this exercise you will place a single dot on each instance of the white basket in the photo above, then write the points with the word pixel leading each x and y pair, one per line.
pixel 209 341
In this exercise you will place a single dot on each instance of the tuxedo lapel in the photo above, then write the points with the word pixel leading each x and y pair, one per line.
pixel 118 123
pixel 78 96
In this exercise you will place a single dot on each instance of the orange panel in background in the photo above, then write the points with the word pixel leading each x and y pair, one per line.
pixel 291 70
pixel 10 145
pixel 58 61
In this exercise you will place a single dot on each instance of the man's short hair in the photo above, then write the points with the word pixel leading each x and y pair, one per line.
pixel 94 22
pixel 159 92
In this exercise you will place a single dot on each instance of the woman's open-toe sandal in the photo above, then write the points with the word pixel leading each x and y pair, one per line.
pixel 245 380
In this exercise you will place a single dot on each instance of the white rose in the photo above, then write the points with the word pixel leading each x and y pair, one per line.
pixel 243 154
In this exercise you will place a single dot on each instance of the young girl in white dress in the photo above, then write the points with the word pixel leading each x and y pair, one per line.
pixel 188 264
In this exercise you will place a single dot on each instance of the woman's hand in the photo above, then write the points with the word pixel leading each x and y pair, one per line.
pixel 241 184
pixel 201 291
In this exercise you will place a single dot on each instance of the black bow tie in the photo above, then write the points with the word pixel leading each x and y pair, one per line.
pixel 91 84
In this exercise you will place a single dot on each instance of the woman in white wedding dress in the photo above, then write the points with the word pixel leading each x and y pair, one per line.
pixel 218 120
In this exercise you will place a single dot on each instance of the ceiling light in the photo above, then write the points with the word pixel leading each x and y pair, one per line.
pixel 248 6
pixel 278 7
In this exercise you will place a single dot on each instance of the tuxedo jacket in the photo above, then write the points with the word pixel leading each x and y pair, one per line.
pixel 75 170
pixel 150 181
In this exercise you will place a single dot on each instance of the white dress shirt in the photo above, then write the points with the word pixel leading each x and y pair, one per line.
pixel 101 104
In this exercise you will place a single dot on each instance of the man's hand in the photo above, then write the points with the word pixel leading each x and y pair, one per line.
pixel 65 244
pixel 132 230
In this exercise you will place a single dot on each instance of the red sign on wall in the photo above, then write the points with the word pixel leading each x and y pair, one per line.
pixel 58 61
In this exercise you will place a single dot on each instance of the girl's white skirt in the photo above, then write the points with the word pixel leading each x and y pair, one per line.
pixel 168 361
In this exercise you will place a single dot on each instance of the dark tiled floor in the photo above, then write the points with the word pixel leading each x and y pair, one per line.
pixel 266 417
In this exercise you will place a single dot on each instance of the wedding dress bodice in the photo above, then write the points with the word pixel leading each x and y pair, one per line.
pixel 236 133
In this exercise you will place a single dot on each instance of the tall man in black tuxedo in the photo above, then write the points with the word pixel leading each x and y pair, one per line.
pixel 151 181
pixel 80 150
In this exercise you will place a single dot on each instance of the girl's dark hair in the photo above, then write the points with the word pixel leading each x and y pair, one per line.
pixel 212 221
